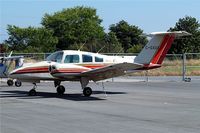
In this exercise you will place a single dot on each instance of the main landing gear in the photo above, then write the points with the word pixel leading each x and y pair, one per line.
pixel 60 89
pixel 87 91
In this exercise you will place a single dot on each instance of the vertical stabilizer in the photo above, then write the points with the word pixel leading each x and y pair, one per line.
pixel 156 49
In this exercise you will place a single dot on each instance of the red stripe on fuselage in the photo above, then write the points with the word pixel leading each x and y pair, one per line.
pixel 64 70
pixel 69 71
pixel 92 66
pixel 33 70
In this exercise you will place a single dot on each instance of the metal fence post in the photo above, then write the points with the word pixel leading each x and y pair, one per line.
pixel 184 68
pixel 147 76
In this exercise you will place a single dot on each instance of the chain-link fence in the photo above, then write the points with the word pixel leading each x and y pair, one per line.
pixel 186 66
pixel 191 66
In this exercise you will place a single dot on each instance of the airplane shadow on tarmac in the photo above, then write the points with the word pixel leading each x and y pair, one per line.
pixel 73 97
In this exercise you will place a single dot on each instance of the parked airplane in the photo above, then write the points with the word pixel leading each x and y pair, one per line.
pixel 5 64
pixel 69 65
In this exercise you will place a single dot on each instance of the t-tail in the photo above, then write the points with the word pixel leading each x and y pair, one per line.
pixel 153 54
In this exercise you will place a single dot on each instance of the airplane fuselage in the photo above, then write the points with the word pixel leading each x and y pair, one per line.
pixel 70 62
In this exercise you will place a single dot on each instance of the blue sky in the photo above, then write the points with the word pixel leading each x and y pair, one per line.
pixel 149 15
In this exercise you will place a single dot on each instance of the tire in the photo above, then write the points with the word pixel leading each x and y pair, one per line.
pixel 32 92
pixel 87 91
pixel 60 90
pixel 10 82
pixel 18 83
pixel 187 79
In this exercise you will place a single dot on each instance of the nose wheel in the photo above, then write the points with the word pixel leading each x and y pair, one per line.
pixel 32 92
pixel 60 90
pixel 87 91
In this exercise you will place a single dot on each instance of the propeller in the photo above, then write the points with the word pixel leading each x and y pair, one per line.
pixel 52 67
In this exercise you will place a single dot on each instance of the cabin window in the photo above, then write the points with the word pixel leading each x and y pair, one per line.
pixel 56 57
pixel 98 59
pixel 87 58
pixel 71 59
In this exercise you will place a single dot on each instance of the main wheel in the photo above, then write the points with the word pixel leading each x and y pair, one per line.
pixel 87 91
pixel 32 92
pixel 60 89
pixel 10 82
pixel 18 83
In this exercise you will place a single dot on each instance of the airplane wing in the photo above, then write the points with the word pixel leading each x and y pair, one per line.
pixel 110 71
pixel 11 58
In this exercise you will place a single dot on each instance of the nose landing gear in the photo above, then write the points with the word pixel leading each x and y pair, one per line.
pixel 33 92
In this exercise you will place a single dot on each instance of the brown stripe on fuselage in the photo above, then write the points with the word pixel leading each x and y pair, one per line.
pixel 33 70
pixel 67 70
pixel 94 66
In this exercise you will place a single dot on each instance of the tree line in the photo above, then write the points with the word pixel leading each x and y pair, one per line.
pixel 80 28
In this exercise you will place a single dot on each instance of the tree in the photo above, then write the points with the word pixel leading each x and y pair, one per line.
pixel 109 44
pixel 128 35
pixel 74 26
pixel 135 49
pixel 112 45
pixel 2 48
pixel 31 39
pixel 187 44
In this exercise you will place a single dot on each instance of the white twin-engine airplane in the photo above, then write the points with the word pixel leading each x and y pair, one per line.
pixel 69 65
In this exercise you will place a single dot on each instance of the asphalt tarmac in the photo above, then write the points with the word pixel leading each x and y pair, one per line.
pixel 127 107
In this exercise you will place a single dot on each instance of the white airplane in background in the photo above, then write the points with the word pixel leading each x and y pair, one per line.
pixel 5 64
pixel 69 65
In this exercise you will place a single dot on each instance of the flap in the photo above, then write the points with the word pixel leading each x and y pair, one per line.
pixel 110 71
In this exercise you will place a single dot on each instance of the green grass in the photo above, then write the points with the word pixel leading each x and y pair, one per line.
pixel 174 68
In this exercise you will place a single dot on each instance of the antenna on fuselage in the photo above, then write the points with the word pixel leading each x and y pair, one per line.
pixel 101 49
pixel 119 52
pixel 81 46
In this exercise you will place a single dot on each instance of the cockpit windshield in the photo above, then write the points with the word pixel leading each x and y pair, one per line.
pixel 56 57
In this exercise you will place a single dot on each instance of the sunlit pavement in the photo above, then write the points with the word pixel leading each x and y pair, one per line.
pixel 146 107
